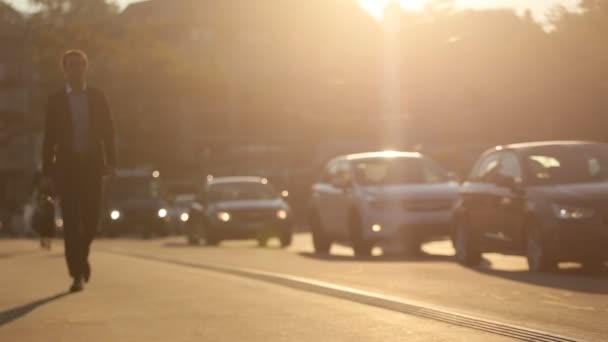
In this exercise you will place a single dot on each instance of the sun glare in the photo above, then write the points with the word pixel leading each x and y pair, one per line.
pixel 413 5
pixel 376 7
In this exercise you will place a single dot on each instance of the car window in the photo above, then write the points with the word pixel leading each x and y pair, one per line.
pixel 486 167
pixel 434 173
pixel 240 191
pixel 343 171
pixel 568 164
pixel 331 170
pixel 122 188
pixel 510 166
pixel 386 171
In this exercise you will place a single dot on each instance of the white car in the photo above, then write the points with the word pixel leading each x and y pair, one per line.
pixel 382 197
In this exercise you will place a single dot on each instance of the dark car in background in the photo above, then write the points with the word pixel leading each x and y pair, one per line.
pixel 180 207
pixel 134 204
pixel 234 208
pixel 547 201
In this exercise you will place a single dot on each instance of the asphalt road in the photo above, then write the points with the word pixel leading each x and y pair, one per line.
pixel 153 291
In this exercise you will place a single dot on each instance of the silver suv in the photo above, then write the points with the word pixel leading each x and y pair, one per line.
pixel 381 197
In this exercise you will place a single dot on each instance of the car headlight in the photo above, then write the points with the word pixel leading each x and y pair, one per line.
pixel 223 216
pixel 567 212
pixel 377 228
pixel 115 215
pixel 162 213
pixel 184 217
pixel 282 214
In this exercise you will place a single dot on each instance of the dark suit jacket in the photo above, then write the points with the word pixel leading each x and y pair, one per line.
pixel 57 149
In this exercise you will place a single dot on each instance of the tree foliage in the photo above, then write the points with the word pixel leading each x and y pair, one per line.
pixel 307 72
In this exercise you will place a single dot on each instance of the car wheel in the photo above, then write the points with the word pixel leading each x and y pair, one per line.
pixel 412 245
pixel 194 240
pixel 361 247
pixel 162 230
pixel 467 253
pixel 262 241
pixel 594 265
pixel 211 239
pixel 146 234
pixel 285 237
pixel 538 257
pixel 320 241
pixel 193 229
pixel 108 231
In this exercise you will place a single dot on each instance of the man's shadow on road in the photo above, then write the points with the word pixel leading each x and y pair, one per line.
pixel 13 314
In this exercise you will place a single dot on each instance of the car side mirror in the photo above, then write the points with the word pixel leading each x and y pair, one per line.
pixel 341 183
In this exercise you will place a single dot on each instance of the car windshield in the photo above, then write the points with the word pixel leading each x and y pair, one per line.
pixel 184 199
pixel 132 187
pixel 568 164
pixel 403 170
pixel 240 192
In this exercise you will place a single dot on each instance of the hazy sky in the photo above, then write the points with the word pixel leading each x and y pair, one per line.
pixel 539 7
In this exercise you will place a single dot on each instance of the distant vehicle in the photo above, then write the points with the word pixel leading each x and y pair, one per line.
pixel 134 203
pixel 179 212
pixel 547 201
pixel 240 208
pixel 371 198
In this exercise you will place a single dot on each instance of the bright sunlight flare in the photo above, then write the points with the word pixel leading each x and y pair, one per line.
pixel 376 7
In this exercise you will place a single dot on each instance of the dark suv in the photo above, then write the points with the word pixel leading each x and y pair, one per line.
pixel 134 203
pixel 547 201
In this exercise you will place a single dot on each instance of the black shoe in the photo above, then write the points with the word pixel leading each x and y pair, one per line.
pixel 77 285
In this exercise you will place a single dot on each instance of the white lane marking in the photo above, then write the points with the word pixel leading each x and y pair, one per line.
pixel 550 296
pixel 570 306
pixel 497 297
pixel 371 298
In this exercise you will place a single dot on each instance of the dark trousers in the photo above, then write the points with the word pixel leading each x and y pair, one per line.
pixel 80 192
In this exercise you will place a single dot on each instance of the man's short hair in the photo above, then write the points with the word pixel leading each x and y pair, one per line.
pixel 74 52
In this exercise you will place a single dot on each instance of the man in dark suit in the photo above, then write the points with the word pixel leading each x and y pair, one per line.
pixel 78 151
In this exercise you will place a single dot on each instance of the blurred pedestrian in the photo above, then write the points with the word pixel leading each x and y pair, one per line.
pixel 78 151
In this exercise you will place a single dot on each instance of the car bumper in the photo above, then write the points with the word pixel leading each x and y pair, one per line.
pixel 419 225
pixel 575 240
pixel 248 230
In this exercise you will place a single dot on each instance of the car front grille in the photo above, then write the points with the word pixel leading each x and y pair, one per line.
pixel 427 205
pixel 140 215
pixel 254 215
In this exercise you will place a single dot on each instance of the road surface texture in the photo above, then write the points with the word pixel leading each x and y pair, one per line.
pixel 165 290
